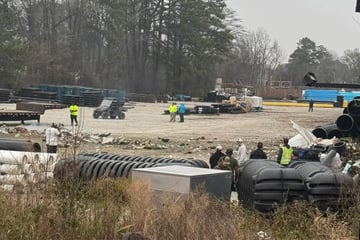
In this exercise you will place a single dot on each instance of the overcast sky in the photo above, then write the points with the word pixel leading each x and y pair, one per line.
pixel 332 23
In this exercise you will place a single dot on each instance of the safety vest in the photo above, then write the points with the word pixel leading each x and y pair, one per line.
pixel 74 110
pixel 172 109
pixel 286 156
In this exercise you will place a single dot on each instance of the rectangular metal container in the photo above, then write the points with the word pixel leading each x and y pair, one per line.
pixel 183 180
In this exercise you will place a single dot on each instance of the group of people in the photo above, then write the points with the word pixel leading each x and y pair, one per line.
pixel 241 154
pixel 226 161
pixel 174 109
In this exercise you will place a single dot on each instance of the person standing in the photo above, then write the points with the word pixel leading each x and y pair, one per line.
pixel 73 114
pixel 51 138
pixel 228 162
pixel 173 111
pixel 311 105
pixel 284 153
pixel 214 159
pixel 241 152
pixel 258 153
pixel 181 111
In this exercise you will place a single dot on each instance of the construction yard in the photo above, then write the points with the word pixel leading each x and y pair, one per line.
pixel 146 130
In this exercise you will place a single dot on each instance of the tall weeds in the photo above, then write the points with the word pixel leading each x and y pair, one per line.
pixel 108 208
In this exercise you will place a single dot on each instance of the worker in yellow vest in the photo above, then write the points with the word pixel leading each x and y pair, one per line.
pixel 285 153
pixel 173 111
pixel 73 114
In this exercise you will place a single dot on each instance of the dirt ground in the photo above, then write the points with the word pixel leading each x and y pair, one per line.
pixel 195 138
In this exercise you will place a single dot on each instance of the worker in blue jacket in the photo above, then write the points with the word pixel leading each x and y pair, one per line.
pixel 181 111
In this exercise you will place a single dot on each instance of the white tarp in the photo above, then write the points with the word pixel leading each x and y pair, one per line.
pixel 305 138
pixel 255 101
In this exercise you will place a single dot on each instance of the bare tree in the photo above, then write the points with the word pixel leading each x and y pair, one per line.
pixel 259 55
pixel 351 59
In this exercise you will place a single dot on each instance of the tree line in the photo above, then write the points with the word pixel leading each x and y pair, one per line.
pixel 150 46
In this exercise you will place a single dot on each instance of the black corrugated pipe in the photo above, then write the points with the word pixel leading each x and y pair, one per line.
pixel 328 131
pixel 357 123
pixel 336 132
pixel 324 187
pixel 345 122
pixel 19 145
pixel 265 184
pixel 339 147
pixel 354 107
pixel 91 166
pixel 108 156
pixel 320 132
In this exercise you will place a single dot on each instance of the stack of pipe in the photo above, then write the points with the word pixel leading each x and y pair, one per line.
pixel 90 166
pixel 347 124
pixel 20 168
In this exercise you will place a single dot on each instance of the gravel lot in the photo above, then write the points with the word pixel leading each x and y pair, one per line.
pixel 196 137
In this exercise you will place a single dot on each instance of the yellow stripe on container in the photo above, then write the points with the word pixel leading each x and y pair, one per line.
pixel 296 104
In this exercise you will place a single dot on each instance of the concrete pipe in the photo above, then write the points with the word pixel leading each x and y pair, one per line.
pixel 12 179
pixel 13 157
pixel 41 167
pixel 32 157
pixel 12 187
pixel 10 169
pixel 345 122
pixel 45 176
pixel 19 145
pixel 7 187
pixel 47 158
pixel 32 178
pixel 28 168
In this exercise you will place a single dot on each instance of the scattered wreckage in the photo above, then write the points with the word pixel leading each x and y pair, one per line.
pixel 325 167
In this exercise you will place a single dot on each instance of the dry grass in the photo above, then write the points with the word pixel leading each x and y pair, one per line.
pixel 107 208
